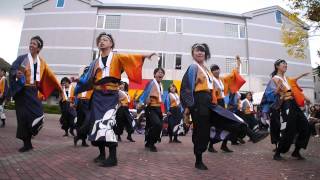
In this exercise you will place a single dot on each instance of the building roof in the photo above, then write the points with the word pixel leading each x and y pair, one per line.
pixel 125 5
pixel 110 4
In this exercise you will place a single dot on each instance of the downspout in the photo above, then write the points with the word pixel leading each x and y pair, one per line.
pixel 247 51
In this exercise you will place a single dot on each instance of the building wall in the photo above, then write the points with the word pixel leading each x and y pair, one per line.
pixel 69 40
pixel 67 32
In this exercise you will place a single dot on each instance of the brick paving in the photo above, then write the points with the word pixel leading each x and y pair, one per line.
pixel 55 157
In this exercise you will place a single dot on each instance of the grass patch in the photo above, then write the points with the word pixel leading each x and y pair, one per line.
pixel 49 109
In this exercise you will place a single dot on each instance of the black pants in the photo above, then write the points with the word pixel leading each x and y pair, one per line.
pixel 153 125
pixel 173 120
pixel 297 125
pixel 124 120
pixel 67 116
pixel 83 118
pixel 203 117
pixel 250 120
pixel 275 126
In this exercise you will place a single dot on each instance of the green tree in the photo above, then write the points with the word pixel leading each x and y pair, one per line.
pixel 295 38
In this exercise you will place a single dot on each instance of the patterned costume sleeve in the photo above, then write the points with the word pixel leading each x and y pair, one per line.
pixel 146 93
pixel 269 97
pixel 85 82
pixel 188 86
pixel 16 85
pixel 167 103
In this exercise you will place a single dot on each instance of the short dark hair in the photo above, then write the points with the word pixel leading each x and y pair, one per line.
pixel 105 34
pixel 126 86
pixel 214 67
pixel 172 85
pixel 158 69
pixel 4 70
pixel 276 64
pixel 202 47
pixel 65 79
pixel 39 41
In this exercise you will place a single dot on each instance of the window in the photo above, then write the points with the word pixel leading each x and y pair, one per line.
pixel 163 24
pixel 244 66
pixel 231 64
pixel 231 30
pixel 112 22
pixel 100 21
pixel 242 31
pixel 162 60
pixel 60 4
pixel 179 25
pixel 235 30
pixel 278 17
pixel 178 61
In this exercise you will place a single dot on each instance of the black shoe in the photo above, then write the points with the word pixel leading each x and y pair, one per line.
pixel 176 141
pixel 241 141
pixel 75 140
pixel 25 149
pixel 65 135
pixel 130 139
pixel 99 159
pixel 71 132
pixel 297 155
pixel 84 144
pixel 277 157
pixel 119 138
pixel 109 162
pixel 170 141
pixel 259 136
pixel 226 149
pixel 234 143
pixel 153 148
pixel 212 150
pixel 147 145
pixel 2 125
pixel 201 166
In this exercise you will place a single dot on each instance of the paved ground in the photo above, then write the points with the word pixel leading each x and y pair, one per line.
pixel 54 157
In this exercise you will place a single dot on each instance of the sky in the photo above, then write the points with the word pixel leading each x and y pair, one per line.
pixel 12 15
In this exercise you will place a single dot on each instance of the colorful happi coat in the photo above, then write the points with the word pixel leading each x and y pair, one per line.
pixel 104 81
pixel 198 79
pixel 26 90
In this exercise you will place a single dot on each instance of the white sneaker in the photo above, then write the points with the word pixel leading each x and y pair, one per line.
pixel 316 135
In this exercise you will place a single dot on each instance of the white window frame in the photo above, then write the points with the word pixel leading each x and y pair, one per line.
pixel 163 62
pixel 104 21
pixel 247 68
pixel 245 31
pixel 235 65
pixel 238 30
pixel 175 61
pixel 166 24
pixel 64 1
pixel 175 25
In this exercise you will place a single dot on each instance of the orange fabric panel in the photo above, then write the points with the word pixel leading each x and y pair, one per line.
pixel 297 92
pixel 2 85
pixel 214 99
pixel 48 82
pixel 233 82
pixel 132 65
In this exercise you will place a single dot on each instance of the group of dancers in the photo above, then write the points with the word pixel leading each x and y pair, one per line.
pixel 97 106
